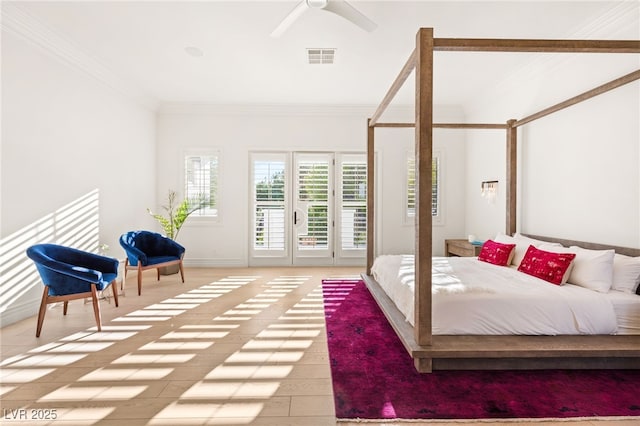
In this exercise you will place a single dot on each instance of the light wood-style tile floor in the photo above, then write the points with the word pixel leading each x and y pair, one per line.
pixel 227 347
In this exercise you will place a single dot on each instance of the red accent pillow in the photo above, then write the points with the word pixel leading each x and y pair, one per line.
pixel 497 253
pixel 551 267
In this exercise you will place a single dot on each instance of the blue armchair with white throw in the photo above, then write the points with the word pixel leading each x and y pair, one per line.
pixel 150 250
pixel 68 274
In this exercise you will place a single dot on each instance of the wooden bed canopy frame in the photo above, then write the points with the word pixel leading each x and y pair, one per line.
pixel 430 351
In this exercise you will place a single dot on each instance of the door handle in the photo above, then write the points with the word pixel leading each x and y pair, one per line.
pixel 295 217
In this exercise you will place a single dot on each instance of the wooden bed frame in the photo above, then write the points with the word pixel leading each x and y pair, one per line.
pixel 484 352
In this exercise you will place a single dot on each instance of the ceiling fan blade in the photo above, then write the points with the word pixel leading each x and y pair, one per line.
pixel 344 9
pixel 290 19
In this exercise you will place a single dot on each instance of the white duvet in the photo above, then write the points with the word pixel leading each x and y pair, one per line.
pixel 474 297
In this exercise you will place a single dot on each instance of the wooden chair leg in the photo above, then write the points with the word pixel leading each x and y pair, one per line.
pixel 181 271
pixel 42 311
pixel 139 279
pixel 158 273
pixel 124 278
pixel 96 307
pixel 114 288
pixel 65 307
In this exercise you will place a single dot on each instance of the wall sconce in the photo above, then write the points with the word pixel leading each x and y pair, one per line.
pixel 489 190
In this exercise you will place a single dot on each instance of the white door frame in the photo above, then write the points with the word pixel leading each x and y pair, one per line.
pixel 275 244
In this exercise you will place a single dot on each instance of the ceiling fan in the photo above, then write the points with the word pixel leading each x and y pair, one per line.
pixel 339 7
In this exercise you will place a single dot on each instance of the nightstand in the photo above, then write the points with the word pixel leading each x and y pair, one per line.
pixel 462 248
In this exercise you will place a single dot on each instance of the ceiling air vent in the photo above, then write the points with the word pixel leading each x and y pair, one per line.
pixel 321 56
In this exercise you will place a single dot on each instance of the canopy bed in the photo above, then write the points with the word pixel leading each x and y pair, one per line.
pixel 433 348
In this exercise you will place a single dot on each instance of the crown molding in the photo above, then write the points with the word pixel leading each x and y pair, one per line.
pixel 14 20
pixel 620 20
pixel 395 113
pixel 274 110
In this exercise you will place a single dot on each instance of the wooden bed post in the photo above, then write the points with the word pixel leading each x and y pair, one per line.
pixel 370 195
pixel 512 176
pixel 423 189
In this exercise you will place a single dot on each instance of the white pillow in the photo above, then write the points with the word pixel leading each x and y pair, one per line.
pixel 592 269
pixel 626 273
pixel 522 244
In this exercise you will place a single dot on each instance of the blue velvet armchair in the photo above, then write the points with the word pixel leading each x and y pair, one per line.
pixel 68 273
pixel 150 250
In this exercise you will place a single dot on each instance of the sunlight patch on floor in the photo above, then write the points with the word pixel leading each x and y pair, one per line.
pixel 233 413
pixel 153 359
pixel 48 360
pixel 234 389
pixel 237 372
pixel 93 393
pixel 176 346
pixel 116 374
pixel 231 390
pixel 254 371
pixel 23 375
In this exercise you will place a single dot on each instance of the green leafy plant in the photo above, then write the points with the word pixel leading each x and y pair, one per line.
pixel 176 214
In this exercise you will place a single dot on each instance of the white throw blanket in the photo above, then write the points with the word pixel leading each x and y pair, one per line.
pixel 474 297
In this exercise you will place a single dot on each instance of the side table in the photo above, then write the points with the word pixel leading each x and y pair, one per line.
pixel 462 248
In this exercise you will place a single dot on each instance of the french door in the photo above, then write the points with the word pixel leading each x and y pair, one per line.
pixel 309 208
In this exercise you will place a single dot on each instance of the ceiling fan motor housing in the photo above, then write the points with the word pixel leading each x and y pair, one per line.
pixel 319 4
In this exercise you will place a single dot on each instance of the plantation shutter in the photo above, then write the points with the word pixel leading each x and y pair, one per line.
pixel 201 183
pixel 411 186
pixel 313 191
pixel 353 224
pixel 269 205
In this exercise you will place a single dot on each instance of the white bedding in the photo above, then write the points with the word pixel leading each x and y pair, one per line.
pixel 627 309
pixel 473 297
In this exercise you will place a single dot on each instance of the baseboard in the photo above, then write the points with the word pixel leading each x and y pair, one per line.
pixel 19 311
pixel 215 263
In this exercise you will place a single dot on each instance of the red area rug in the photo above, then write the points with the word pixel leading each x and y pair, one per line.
pixel 374 378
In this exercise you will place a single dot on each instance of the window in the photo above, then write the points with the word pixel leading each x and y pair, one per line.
pixel 411 187
pixel 269 189
pixel 353 210
pixel 312 194
pixel 201 183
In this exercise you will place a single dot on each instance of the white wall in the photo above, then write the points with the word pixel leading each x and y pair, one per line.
pixel 578 174
pixel 578 168
pixel 78 165
pixel 393 144
pixel 486 156
pixel 235 132
pixel 580 171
